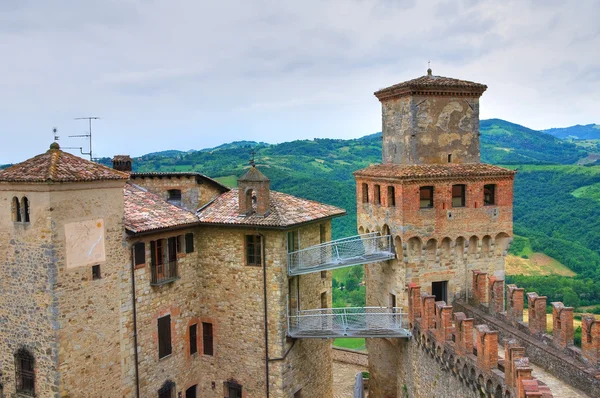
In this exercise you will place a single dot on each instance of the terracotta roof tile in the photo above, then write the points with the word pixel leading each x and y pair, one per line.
pixel 58 166
pixel 286 210
pixel 430 83
pixel 409 172
pixel 145 211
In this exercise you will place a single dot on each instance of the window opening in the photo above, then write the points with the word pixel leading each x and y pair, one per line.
pixel 391 196
pixel 164 336
pixel 172 249
pixel 449 158
pixel 253 250
pixel 139 253
pixel 377 194
pixel 365 192
pixel 234 390
pixel 96 272
pixel 16 210
pixel 25 209
pixel 167 390
pixel 207 338
pixel 189 242
pixel 426 197
pixel 322 233
pixel 393 300
pixel 293 241
pixel 25 372
pixel 458 195
pixel 180 241
pixel 193 339
pixel 324 300
pixel 440 290
pixel 174 195
pixel 191 392
pixel 489 195
pixel 323 274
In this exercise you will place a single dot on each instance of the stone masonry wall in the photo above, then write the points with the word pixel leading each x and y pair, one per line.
pixel 353 357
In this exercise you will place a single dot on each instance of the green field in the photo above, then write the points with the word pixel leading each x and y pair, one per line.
pixel 229 181
pixel 351 343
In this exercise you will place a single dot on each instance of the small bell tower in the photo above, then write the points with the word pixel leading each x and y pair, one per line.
pixel 254 197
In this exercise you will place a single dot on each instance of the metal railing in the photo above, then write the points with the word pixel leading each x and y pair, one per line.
pixel 163 273
pixel 349 322
pixel 360 249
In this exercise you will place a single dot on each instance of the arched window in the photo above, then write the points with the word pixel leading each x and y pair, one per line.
pixel 167 390
pixel 25 209
pixel 25 372
pixel 16 210
pixel 365 192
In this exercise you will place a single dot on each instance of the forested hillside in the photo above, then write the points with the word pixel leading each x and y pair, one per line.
pixel 556 203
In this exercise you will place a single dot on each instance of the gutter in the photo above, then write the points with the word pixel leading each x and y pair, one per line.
pixel 135 340
pixel 266 320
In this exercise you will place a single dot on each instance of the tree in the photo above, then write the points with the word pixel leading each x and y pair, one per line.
pixel 570 298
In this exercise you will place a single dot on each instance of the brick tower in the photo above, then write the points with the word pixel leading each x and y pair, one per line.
pixel 448 213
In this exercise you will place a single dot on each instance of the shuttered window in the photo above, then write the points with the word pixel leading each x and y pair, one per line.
pixel 189 243
pixel 164 336
pixel 207 338
pixel 139 253
pixel 193 339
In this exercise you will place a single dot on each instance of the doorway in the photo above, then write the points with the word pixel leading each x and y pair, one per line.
pixel 440 291
pixel 191 392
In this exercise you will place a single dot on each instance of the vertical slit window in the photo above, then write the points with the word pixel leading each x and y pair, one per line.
pixel 189 242
pixel 164 336
pixel 207 338
pixel 489 195
pixel 293 241
pixel 426 197
pixel 16 208
pixel 25 209
pixel 365 192
pixel 391 196
pixel 25 373
pixel 193 339
pixel 139 253
pixel 377 194
pixel 458 195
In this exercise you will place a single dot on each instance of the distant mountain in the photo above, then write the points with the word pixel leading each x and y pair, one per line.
pixel 170 153
pixel 237 145
pixel 579 132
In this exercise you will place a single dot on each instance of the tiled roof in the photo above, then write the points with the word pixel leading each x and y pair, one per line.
pixel 145 211
pixel 168 174
pixel 253 174
pixel 408 172
pixel 58 166
pixel 286 210
pixel 431 83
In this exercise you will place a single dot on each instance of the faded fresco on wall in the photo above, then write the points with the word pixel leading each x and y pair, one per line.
pixel 85 243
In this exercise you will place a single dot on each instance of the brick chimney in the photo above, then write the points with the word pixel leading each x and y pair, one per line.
pixel 122 163
pixel 254 193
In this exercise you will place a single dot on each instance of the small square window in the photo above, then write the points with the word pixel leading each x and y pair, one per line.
pixel 489 195
pixel 426 197
pixel 458 195
pixel 96 272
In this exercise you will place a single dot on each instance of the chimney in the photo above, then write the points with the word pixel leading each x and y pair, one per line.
pixel 254 193
pixel 122 163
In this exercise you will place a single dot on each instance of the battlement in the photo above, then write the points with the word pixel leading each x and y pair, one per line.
pixel 471 352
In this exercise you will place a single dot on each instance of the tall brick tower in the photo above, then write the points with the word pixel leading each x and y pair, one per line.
pixel 448 213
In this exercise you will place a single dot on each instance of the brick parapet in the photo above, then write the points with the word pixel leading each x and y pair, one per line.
pixel 434 331
pixel 590 339
pixel 496 294
pixel 515 303
pixel 479 287
pixel 537 313
pixel 562 328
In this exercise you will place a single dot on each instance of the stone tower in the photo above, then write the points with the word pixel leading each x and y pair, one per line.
pixel 448 213
pixel 61 270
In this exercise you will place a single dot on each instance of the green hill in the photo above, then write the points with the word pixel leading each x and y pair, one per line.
pixel 579 132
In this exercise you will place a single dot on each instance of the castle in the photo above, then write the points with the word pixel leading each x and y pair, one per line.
pixel 123 284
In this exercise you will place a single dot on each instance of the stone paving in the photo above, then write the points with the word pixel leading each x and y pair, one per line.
pixel 344 375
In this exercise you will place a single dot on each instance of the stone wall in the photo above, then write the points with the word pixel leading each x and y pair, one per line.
pixel 353 357
pixel 196 191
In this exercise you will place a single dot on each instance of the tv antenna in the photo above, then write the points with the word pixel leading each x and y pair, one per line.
pixel 88 135
pixel 55 134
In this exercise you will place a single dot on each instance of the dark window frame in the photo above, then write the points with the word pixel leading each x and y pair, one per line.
pixel 391 196
pixel 253 250
pixel 234 390
pixel 96 272
pixel 165 345
pixel 365 192
pixel 377 194
pixel 139 254
pixel 167 390
pixel 208 343
pixel 25 372
pixel 431 191
pixel 16 209
pixel 462 197
pixel 25 208
pixel 193 337
pixel 492 188
pixel 189 242
pixel 174 195
pixel 293 241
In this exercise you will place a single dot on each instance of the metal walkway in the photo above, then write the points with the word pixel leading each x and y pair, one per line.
pixel 349 322
pixel 355 250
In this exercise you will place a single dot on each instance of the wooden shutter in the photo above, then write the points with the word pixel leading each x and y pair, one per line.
pixel 207 338
pixel 193 339
pixel 189 243
pixel 164 336
pixel 139 253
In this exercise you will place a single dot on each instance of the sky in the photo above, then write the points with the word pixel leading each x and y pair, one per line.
pixel 193 74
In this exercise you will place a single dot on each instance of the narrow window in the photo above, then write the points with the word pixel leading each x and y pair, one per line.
pixel 293 241
pixel 365 192
pixel 323 274
pixel 207 338
pixel 298 394
pixel 25 209
pixel 322 233
pixel 324 300
pixel 139 253
pixel 96 272
pixel 253 250
pixel 16 208
pixel 180 239
pixel 377 194
pixel 426 197
pixel 458 195
pixel 233 389
pixel 489 194
pixel 25 372
pixel 172 249
pixel 449 158
pixel 391 196
pixel 167 390
pixel 393 300
pixel 189 242
pixel 158 269
pixel 193 339
pixel 164 336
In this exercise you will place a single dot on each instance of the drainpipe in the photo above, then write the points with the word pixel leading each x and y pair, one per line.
pixel 135 342
pixel 266 323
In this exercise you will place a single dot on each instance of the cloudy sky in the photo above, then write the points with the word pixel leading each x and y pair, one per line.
pixel 170 74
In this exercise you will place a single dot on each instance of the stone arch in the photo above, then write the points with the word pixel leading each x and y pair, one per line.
pixel 431 251
pixel 361 230
pixel 385 230
pixel 472 376
pixel 502 243
pixel 486 244
pixel 16 210
pixel 398 248
pixel 507 394
pixel 451 363
pixel 415 247
pixel 498 392
pixel 465 372
pixel 489 388
pixel 25 209
pixel 446 248
pixel 367 231
pixel 473 242
pixel 248 201
pixel 459 247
